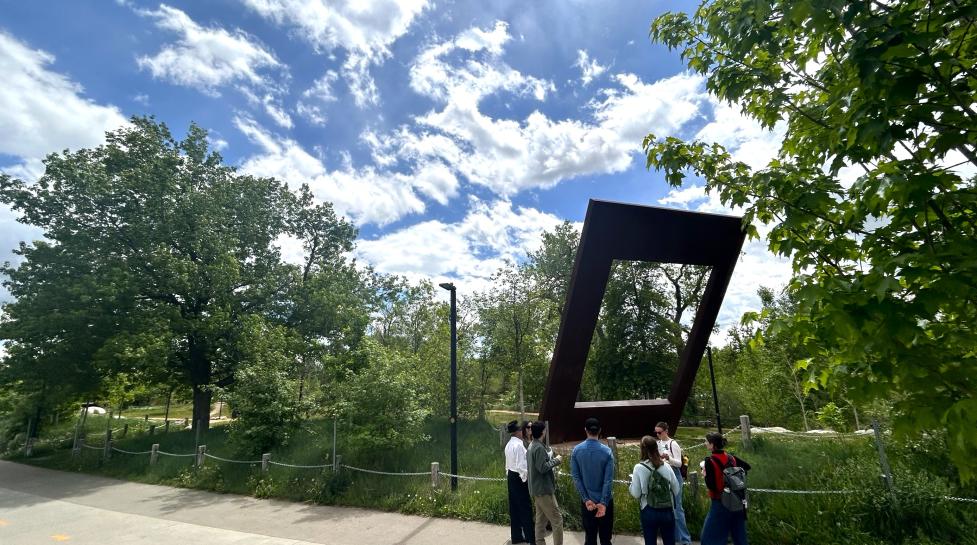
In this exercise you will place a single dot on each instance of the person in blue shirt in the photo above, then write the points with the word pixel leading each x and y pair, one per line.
pixel 592 468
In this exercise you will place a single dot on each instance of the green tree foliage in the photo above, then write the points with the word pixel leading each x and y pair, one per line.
pixel 885 265
pixel 155 254
pixel 265 394
pixel 512 322
pixel 383 401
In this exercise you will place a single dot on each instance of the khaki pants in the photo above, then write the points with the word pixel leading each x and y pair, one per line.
pixel 547 509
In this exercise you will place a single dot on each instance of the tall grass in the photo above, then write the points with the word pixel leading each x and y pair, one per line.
pixel 867 515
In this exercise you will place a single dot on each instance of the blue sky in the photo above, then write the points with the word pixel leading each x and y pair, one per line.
pixel 452 133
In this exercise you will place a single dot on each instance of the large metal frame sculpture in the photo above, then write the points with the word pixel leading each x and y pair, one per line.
pixel 634 233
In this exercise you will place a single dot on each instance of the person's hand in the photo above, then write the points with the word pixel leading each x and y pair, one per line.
pixel 664 456
pixel 601 510
pixel 590 505
pixel 558 458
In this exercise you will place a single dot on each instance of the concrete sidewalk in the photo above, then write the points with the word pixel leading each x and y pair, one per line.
pixel 43 506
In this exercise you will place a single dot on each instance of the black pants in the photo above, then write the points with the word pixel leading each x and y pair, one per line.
pixel 594 527
pixel 520 510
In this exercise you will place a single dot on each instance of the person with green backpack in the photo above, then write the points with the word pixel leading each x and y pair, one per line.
pixel 654 485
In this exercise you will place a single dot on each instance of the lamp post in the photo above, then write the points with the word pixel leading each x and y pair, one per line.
pixel 454 385
pixel 715 395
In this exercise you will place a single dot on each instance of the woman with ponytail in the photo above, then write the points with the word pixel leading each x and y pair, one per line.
pixel 721 521
pixel 654 485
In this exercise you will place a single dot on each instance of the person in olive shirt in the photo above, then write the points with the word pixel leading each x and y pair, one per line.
pixel 542 486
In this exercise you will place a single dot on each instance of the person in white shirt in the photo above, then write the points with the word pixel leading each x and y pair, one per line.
pixel 521 522
pixel 654 485
pixel 671 454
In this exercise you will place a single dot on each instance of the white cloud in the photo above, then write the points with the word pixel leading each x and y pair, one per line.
pixel 589 68
pixel 277 113
pixel 207 58
pixel 44 111
pixel 365 195
pixel 508 155
pixel 744 137
pixel 467 251
pixel 365 29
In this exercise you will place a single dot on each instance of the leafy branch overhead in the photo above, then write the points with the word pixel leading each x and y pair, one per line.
pixel 872 195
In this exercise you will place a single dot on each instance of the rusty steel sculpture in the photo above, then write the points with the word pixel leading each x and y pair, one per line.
pixel 617 231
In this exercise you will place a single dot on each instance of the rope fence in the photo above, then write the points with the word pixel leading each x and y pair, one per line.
pixel 435 473
pixel 297 466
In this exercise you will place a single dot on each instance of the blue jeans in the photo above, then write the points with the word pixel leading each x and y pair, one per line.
pixel 681 530
pixel 654 521
pixel 721 522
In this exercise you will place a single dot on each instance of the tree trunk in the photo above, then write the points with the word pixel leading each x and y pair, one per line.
pixel 200 378
pixel 169 397
pixel 522 401
pixel 201 407
pixel 804 413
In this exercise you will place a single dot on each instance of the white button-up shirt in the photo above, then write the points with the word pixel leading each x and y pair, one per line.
pixel 674 452
pixel 515 458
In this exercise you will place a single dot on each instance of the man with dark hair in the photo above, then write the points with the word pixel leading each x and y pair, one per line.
pixel 517 476
pixel 671 454
pixel 592 468
pixel 542 486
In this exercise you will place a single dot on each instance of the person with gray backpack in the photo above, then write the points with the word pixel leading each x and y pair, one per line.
pixel 655 487
pixel 725 477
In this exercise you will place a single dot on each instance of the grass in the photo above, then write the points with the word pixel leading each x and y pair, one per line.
pixel 867 516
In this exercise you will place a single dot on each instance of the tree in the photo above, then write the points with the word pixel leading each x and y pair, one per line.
pixel 885 274
pixel 156 248
pixel 512 327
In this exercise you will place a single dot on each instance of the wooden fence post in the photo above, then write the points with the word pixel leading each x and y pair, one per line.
pixel 694 484
pixel 125 430
pixel 201 452
pixel 501 435
pixel 145 417
pixel 108 444
pixel 337 463
pixel 78 446
pixel 745 431
pixel 166 427
pixel 29 447
pixel 152 429
pixel 265 458
pixel 435 474
pixel 154 454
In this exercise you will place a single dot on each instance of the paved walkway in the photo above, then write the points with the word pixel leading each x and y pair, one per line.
pixel 43 506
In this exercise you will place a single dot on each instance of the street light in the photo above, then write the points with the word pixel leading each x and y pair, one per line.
pixel 454 386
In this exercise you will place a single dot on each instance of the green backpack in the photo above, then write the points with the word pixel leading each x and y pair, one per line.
pixel 659 492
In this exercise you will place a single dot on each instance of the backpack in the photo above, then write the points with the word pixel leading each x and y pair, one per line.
pixel 684 468
pixel 733 496
pixel 658 494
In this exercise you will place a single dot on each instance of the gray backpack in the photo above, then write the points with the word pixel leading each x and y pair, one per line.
pixel 733 496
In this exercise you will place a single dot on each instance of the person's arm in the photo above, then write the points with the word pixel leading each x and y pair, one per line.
pixel 743 463
pixel 637 482
pixel 578 479
pixel 605 493
pixel 674 454
pixel 669 475
pixel 543 463
pixel 710 475
pixel 522 466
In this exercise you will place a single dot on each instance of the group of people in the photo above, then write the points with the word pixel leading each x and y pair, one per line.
pixel 656 482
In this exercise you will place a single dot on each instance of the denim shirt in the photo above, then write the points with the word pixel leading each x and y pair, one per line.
pixel 592 468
